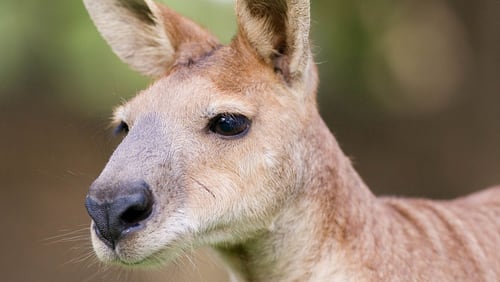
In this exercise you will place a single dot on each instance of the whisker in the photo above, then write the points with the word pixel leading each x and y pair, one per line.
pixel 68 236
pixel 204 187
pixel 80 174
pixel 81 259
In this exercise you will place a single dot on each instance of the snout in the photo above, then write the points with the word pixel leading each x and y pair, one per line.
pixel 119 211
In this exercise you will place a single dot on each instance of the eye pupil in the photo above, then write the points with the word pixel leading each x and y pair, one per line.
pixel 230 125
pixel 121 128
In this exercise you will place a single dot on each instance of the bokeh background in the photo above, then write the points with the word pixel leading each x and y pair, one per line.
pixel 411 89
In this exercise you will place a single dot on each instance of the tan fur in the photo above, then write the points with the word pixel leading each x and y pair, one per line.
pixel 149 42
pixel 282 203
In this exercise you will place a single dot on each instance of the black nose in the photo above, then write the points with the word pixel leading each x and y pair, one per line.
pixel 121 214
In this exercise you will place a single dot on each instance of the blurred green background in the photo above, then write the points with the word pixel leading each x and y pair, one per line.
pixel 411 90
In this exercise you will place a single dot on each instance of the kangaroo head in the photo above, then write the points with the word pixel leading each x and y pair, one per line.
pixel 215 144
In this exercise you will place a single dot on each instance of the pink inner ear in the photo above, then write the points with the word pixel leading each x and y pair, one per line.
pixel 282 66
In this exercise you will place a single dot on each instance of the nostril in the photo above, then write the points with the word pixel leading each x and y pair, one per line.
pixel 135 214
pixel 139 207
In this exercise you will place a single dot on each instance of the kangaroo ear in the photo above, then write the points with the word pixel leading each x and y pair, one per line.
pixel 279 31
pixel 148 36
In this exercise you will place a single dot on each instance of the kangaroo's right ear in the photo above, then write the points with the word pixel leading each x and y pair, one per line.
pixel 148 36
pixel 279 31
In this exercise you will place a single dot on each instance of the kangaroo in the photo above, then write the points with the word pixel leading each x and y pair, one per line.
pixel 226 148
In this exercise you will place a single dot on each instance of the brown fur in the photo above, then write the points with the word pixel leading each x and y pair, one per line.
pixel 282 203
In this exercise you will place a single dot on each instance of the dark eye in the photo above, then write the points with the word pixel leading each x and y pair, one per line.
pixel 121 128
pixel 230 125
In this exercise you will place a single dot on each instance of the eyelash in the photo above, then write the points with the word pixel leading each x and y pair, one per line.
pixel 229 125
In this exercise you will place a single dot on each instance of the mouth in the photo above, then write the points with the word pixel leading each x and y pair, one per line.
pixel 125 233
pixel 130 252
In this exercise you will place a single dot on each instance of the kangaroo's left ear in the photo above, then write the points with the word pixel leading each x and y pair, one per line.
pixel 279 31
pixel 149 36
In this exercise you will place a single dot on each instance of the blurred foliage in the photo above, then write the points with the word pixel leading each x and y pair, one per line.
pixel 53 52
pixel 397 56
pixel 401 56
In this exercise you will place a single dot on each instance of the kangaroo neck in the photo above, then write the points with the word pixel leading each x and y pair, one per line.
pixel 328 215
